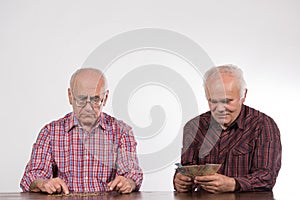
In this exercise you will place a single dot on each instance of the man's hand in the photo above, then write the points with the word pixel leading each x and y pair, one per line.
pixel 53 185
pixel 122 185
pixel 216 183
pixel 183 183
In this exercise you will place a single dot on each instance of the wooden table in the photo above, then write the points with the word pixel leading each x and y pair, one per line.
pixel 145 195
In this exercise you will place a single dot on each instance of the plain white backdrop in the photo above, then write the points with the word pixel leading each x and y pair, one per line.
pixel 43 42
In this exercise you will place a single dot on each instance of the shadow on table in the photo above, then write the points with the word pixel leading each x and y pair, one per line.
pixel 225 196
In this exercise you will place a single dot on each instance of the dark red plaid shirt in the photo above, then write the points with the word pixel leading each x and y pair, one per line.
pixel 249 150
pixel 86 161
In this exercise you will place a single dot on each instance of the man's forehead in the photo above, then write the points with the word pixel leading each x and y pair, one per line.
pixel 92 91
pixel 221 77
pixel 88 80
pixel 88 77
pixel 220 81
pixel 221 95
pixel 95 84
pixel 219 89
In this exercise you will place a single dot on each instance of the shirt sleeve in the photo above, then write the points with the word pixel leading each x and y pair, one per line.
pixel 127 161
pixel 189 153
pixel 266 161
pixel 40 163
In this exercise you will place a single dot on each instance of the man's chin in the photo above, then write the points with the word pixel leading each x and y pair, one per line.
pixel 88 121
pixel 222 122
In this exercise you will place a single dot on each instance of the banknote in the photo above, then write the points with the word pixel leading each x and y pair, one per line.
pixel 197 170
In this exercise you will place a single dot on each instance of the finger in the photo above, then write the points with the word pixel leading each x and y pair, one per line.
pixel 206 184
pixel 126 189
pixel 60 185
pixel 182 188
pixel 183 177
pixel 56 186
pixel 50 188
pixel 205 178
pixel 64 187
pixel 113 184
pixel 58 189
pixel 181 182
pixel 210 188
pixel 201 178
pixel 123 186
pixel 119 186
pixel 128 185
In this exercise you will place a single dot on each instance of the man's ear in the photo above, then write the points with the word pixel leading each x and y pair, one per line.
pixel 105 97
pixel 244 97
pixel 70 96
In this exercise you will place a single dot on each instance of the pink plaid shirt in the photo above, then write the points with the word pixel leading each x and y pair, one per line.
pixel 86 161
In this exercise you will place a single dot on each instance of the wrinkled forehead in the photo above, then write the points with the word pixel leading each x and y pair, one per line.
pixel 221 86
pixel 88 84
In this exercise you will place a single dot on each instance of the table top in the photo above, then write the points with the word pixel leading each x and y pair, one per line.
pixel 142 195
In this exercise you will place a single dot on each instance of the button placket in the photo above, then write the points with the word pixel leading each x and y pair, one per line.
pixel 85 160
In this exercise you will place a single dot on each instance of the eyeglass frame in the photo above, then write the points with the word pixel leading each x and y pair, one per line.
pixel 90 101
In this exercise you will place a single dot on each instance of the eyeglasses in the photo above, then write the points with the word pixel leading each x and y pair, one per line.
pixel 95 101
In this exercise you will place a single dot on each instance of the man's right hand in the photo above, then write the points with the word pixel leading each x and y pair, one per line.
pixel 53 185
pixel 183 183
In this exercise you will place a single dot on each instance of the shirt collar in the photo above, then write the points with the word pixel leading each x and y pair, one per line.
pixel 101 121
pixel 73 122
pixel 240 121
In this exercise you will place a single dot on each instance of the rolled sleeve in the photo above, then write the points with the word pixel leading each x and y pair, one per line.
pixel 39 165
pixel 128 164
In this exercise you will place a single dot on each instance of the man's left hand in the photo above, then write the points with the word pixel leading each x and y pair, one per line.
pixel 216 183
pixel 122 185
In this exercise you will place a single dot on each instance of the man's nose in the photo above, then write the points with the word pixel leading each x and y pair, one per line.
pixel 220 107
pixel 88 104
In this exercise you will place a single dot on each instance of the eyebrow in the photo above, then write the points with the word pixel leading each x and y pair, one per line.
pixel 86 96
pixel 225 100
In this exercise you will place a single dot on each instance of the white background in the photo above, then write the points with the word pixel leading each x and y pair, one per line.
pixel 43 42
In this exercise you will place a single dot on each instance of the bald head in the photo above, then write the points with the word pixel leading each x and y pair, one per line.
pixel 88 74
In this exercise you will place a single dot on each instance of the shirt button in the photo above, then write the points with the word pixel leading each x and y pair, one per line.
pixel 86 178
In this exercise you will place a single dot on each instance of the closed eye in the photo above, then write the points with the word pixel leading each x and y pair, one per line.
pixel 213 101
pixel 225 101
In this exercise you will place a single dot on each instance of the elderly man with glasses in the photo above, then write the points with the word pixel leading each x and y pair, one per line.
pixel 87 150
